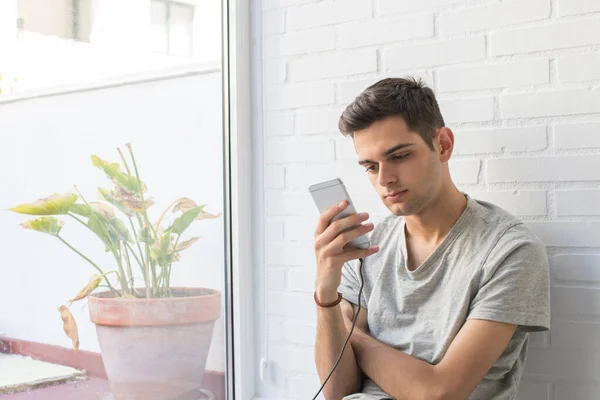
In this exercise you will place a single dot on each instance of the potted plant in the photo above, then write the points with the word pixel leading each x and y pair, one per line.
pixel 154 338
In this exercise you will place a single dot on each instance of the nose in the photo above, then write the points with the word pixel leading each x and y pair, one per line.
pixel 386 176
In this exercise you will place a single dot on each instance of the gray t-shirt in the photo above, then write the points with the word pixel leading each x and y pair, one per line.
pixel 489 266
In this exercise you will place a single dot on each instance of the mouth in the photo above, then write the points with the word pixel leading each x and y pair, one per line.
pixel 395 195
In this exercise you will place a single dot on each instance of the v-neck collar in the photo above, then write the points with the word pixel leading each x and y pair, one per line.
pixel 447 241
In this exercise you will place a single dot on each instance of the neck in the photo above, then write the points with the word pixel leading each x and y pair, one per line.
pixel 434 222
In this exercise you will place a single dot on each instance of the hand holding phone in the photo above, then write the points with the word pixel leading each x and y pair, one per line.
pixel 330 193
pixel 340 235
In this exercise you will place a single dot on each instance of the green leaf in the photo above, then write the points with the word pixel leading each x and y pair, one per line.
pixel 117 227
pixel 126 181
pixel 81 209
pixel 55 204
pixel 48 225
pixel 160 249
pixel 185 220
pixel 96 224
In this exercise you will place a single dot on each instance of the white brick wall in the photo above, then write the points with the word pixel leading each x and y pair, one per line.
pixel 518 81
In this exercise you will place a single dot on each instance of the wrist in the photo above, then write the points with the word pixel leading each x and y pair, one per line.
pixel 326 295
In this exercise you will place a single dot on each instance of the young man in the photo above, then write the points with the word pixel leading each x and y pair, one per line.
pixel 452 285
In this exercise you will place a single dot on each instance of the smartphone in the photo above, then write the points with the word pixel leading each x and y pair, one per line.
pixel 331 192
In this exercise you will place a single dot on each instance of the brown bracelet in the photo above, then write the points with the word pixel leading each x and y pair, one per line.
pixel 328 305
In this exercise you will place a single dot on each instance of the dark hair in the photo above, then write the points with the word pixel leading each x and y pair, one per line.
pixel 408 98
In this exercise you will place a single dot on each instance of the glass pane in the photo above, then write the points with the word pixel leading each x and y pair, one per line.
pixel 181 19
pixel 52 43
pixel 113 213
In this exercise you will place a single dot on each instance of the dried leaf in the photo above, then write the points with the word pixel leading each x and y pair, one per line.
pixel 186 243
pixel 52 205
pixel 48 225
pixel 136 205
pixel 206 215
pixel 184 204
pixel 70 326
pixel 105 194
pixel 88 289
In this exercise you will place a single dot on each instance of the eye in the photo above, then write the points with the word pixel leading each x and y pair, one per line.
pixel 400 156
pixel 371 169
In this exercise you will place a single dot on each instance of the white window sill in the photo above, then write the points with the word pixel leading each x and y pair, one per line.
pixel 115 81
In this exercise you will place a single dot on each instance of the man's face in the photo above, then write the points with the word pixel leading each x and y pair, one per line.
pixel 402 168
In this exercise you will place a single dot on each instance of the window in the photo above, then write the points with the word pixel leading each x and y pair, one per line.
pixel 172 27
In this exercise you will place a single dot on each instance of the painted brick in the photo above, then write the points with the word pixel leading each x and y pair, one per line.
pixel 492 76
pixel 569 301
pixel 571 7
pixel 577 136
pixel 494 140
pixel 493 15
pixel 384 31
pixel 335 65
pixel 276 329
pixel 344 150
pixel 279 123
pixel 293 43
pixel 271 4
pixel 274 229
pixel 284 97
pixel 300 333
pixel 276 278
pixel 564 365
pixel 577 267
pixel 544 169
pixel 579 391
pixel 299 305
pixel 302 280
pixel 274 177
pixel 554 36
pixel 465 171
pixel 302 254
pixel 273 22
pixel 300 229
pixel 395 6
pixel 275 71
pixel 568 233
pixel 320 121
pixel 328 12
pixel 525 202
pixel 290 152
pixel 444 52
pixel 577 202
pixel 532 390
pixel 550 103
pixel 289 204
pixel 579 68
pixel 473 109
pixel 575 335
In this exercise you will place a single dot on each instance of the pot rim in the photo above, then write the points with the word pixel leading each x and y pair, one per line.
pixel 105 295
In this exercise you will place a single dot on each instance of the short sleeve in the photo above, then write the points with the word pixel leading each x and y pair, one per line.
pixel 350 286
pixel 516 289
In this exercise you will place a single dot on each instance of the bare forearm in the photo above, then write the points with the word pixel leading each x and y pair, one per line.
pixel 331 335
pixel 398 374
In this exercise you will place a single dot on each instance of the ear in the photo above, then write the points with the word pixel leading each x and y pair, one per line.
pixel 445 139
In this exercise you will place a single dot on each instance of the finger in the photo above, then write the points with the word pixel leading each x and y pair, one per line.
pixel 358 253
pixel 326 217
pixel 341 225
pixel 346 237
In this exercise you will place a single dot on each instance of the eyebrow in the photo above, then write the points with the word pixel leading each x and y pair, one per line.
pixel 387 153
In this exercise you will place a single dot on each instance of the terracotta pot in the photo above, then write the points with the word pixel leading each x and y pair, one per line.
pixel 155 349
